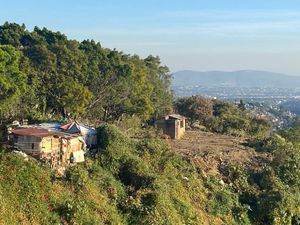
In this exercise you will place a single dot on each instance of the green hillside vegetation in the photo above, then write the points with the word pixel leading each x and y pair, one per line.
pixel 143 182
pixel 136 178
pixel 222 117
pixel 276 200
pixel 130 182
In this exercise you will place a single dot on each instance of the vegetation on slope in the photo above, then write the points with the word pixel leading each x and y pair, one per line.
pixel 273 193
pixel 222 117
pixel 143 182
pixel 129 182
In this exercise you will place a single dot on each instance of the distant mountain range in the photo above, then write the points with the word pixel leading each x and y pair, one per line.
pixel 242 78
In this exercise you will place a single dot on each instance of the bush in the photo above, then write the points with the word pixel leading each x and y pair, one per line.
pixel 195 107
pixel 222 117
pixel 77 177
pixel 220 203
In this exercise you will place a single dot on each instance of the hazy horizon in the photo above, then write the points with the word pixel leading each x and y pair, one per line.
pixel 232 71
pixel 189 35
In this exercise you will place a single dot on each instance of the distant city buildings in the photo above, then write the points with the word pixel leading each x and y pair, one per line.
pixel 278 105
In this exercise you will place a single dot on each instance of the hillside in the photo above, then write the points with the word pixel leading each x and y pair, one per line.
pixel 237 172
pixel 205 178
pixel 243 78
pixel 130 182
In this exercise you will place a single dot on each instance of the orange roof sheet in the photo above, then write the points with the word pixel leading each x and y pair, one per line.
pixel 67 126
pixel 40 132
pixel 36 132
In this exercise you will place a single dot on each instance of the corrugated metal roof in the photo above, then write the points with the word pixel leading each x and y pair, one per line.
pixel 176 116
pixel 40 132
pixel 36 132
pixel 49 125
pixel 67 126
pixel 74 127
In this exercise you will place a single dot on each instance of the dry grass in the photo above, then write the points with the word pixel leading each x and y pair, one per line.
pixel 211 152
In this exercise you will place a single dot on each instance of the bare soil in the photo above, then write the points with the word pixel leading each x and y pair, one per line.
pixel 211 152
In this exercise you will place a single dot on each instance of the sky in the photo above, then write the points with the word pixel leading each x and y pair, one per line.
pixel 186 34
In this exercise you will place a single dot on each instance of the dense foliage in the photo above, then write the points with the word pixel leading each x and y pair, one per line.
pixel 222 117
pixel 48 75
pixel 273 194
pixel 12 80
pixel 129 182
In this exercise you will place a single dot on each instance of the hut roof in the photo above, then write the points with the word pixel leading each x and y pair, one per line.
pixel 40 132
pixel 36 132
pixel 74 127
pixel 175 116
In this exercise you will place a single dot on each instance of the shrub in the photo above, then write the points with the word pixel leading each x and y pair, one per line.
pixel 222 117
pixel 77 177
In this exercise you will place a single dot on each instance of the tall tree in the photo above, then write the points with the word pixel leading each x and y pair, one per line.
pixel 12 81
pixel 11 34
pixel 160 78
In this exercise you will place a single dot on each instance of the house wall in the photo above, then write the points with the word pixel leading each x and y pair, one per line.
pixel 168 127
pixel 28 144
pixel 90 136
pixel 171 127
pixel 55 150
pixel 180 127
pixel 50 150
pixel 61 150
pixel 46 145
pixel 65 152
pixel 70 145
pixel 75 144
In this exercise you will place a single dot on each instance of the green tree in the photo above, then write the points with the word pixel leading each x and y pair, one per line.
pixel 195 107
pixel 74 99
pixel 160 78
pixel 11 34
pixel 12 81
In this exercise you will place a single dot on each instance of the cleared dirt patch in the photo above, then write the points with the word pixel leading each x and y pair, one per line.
pixel 211 152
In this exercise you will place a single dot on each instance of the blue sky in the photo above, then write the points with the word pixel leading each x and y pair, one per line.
pixel 186 34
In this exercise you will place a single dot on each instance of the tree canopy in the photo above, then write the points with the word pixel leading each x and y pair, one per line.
pixel 64 77
pixel 12 80
pixel 222 117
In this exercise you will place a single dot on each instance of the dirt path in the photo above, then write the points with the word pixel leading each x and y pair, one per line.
pixel 212 151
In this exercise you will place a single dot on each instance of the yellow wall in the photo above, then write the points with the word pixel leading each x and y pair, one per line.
pixel 46 145
pixel 50 148
pixel 181 128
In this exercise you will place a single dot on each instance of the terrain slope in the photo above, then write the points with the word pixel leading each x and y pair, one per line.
pixel 212 152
